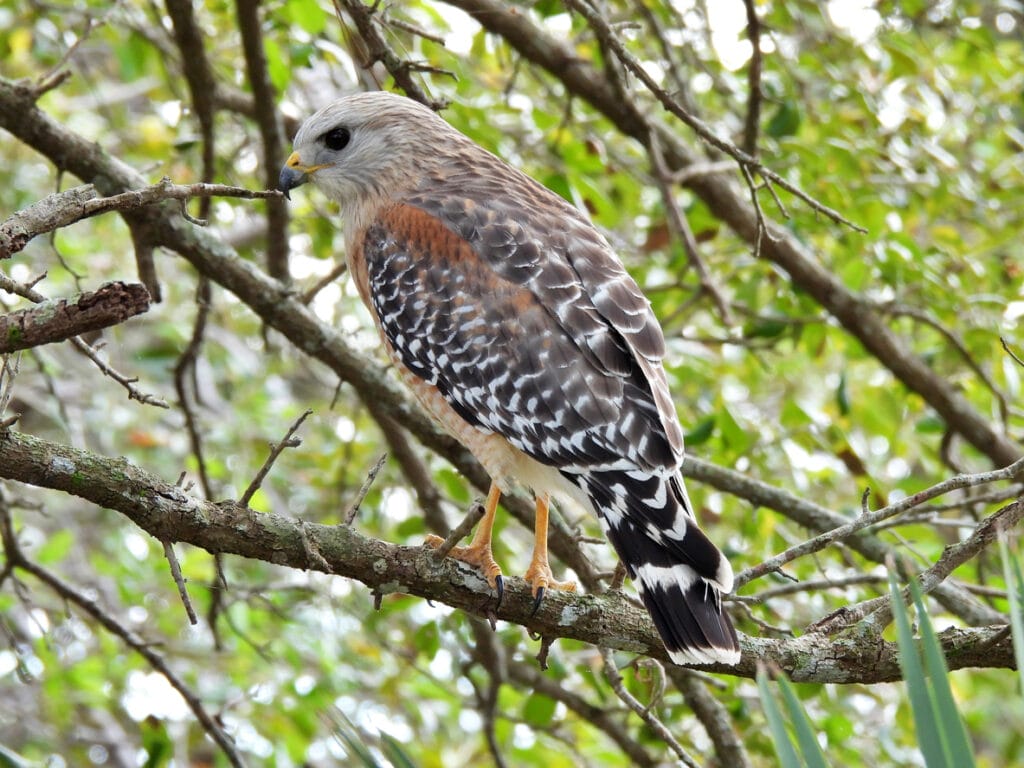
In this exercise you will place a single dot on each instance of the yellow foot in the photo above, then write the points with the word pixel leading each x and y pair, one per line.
pixel 540 579
pixel 479 557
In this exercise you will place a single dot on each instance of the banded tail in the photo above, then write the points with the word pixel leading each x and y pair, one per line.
pixel 680 574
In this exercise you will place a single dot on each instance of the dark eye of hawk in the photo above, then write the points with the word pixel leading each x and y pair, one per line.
pixel 336 138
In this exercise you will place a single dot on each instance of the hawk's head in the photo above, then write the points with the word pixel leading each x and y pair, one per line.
pixel 365 146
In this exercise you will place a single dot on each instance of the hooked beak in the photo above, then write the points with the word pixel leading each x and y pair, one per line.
pixel 294 174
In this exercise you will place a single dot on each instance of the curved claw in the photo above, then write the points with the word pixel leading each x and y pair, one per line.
pixel 537 601
pixel 499 585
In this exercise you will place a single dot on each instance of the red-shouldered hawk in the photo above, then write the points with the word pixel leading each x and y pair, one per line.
pixel 516 326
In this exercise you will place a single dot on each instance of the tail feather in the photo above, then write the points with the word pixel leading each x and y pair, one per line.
pixel 680 574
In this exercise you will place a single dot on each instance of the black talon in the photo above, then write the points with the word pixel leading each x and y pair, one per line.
pixel 536 601
pixel 499 584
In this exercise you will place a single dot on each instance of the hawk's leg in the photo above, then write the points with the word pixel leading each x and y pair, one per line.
pixel 478 553
pixel 539 575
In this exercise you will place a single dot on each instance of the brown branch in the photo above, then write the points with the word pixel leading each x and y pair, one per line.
pixel 271 132
pixel 276 449
pixel 169 513
pixel 615 680
pixel 185 372
pixel 752 122
pixel 134 393
pixel 602 718
pixel 712 715
pixel 60 319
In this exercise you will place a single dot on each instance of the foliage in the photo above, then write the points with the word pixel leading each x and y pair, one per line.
pixel 907 119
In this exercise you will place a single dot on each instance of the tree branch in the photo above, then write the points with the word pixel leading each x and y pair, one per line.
pixel 60 319
pixel 63 208
pixel 610 620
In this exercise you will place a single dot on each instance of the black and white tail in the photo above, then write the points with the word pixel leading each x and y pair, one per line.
pixel 680 574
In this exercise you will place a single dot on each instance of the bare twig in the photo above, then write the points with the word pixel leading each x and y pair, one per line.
pixel 364 489
pixel 953 556
pixel 415 470
pixel 179 580
pixel 922 316
pixel 276 450
pixel 1010 352
pixel 337 271
pixel 1011 472
pixel 712 715
pixel 681 228
pixel 63 208
pixel 473 516
pixel 614 678
pixel 605 719
pixel 377 49
pixel 134 393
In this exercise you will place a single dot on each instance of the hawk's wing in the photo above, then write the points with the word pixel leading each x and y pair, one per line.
pixel 505 325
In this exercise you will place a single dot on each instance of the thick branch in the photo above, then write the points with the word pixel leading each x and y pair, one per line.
pixel 61 319
pixel 168 513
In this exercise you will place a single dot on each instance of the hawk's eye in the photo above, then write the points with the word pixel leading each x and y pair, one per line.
pixel 336 138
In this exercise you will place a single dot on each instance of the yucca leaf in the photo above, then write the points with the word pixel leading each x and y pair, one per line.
pixel 783 744
pixel 346 733
pixel 1015 597
pixel 394 752
pixel 925 717
pixel 955 744
pixel 805 739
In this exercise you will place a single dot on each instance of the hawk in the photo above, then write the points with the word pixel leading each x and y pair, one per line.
pixel 518 329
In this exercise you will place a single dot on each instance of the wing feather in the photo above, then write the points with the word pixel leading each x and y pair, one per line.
pixel 546 371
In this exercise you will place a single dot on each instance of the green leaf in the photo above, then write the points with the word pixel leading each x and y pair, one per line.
pixel 11 759
pixel 308 14
pixel 842 396
pixel 345 732
pixel 776 724
pixel 785 121
pixel 538 710
pixel 395 753
pixel 809 747
pixel 57 545
pixel 1015 596
pixel 951 726
pixel 764 329
pixel 279 70
pixel 940 732
pixel 701 432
